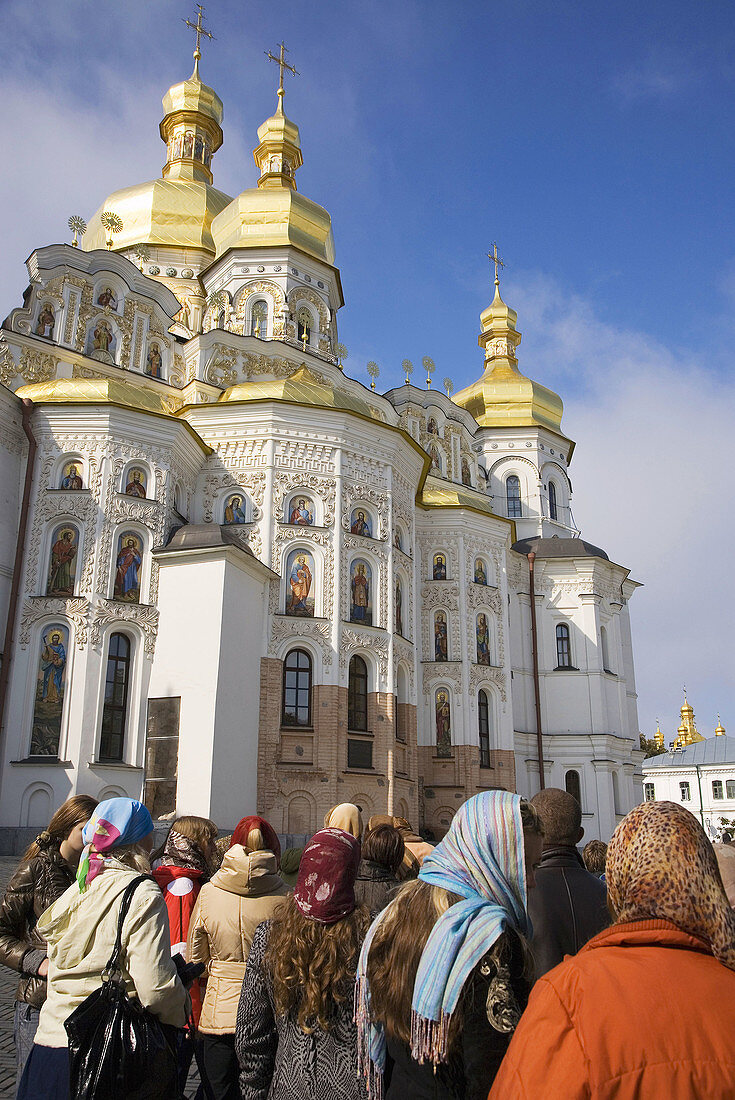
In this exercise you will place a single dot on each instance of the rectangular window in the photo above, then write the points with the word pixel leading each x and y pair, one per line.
pixel 359 753
pixel 649 792
pixel 730 787
pixel 563 649
pixel 717 788
pixel 686 795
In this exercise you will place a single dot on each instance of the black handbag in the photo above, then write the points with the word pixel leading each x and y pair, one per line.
pixel 118 1050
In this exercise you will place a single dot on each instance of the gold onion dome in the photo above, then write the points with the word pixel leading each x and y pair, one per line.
pixel 720 730
pixel 178 209
pixel 274 213
pixel 503 397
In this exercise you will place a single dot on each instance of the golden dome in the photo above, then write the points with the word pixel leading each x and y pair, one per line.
pixel 178 209
pixel 720 730
pixel 102 391
pixel 274 213
pixel 503 397
pixel 303 387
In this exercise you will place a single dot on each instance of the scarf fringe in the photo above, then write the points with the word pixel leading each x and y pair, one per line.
pixel 429 1038
pixel 370 1070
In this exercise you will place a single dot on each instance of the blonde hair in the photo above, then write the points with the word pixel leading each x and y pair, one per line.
pixel 71 813
pixel 135 856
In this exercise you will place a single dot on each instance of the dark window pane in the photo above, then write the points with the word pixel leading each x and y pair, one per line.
pixel 483 718
pixel 357 714
pixel 296 704
pixel 114 711
pixel 359 754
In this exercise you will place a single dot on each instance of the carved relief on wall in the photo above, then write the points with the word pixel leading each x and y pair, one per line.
pixel 319 632
pixel 305 455
pixel 352 496
pixel 76 610
pixel 144 616
pixel 480 675
pixel 303 294
pixel 222 367
pixel 352 639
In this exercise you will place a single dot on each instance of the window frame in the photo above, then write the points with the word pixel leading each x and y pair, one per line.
pixel 565 638
pixel 730 788
pixel 112 709
pixel 576 783
pixel 685 791
pixel 516 511
pixel 553 503
pixel 357 694
pixel 649 792
pixel 717 785
pixel 291 721
pixel 483 734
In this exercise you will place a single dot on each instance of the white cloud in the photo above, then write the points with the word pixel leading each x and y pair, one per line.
pixel 656 78
pixel 652 485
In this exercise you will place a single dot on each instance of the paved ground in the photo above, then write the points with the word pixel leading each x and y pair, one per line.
pixel 8 982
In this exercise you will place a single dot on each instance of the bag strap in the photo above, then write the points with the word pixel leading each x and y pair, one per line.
pixel 114 960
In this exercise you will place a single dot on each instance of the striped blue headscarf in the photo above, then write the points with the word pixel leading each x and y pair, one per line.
pixel 482 859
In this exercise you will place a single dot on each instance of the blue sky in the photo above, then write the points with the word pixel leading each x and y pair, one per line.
pixel 594 142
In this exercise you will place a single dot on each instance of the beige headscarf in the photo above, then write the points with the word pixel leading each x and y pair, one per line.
pixel 346 816
pixel 661 866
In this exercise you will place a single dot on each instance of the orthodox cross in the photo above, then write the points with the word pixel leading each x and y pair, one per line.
pixel 199 31
pixel 495 259
pixel 283 65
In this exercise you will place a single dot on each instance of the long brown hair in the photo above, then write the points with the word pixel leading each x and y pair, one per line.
pixel 399 943
pixel 312 965
pixel 76 809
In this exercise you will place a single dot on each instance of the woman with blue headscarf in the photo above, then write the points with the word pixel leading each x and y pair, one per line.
pixel 80 929
pixel 445 972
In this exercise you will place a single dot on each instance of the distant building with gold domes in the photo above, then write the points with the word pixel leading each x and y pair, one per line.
pixel 236 579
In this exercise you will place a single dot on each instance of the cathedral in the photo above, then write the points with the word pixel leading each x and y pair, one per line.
pixel 233 579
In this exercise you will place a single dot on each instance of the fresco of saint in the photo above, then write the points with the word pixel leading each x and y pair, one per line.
pixel 154 361
pixel 50 686
pixel 480 574
pixel 431 426
pixel 300 571
pixel 434 456
pixel 135 486
pixel 103 343
pixel 397 540
pixel 443 724
pixel 360 523
pixel 127 571
pixel 62 567
pixel 46 320
pixel 234 510
pixel 466 476
pixel 71 478
pixel 361 606
pixel 440 568
pixel 441 652
pixel 107 298
pixel 482 632
pixel 302 512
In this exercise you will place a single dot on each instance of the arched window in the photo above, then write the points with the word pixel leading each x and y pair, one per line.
pixel 304 322
pixel 296 709
pixel 563 650
pixel 573 786
pixel 114 711
pixel 483 723
pixel 605 649
pixel 221 319
pixel 553 510
pixel 513 496
pixel 259 319
pixel 357 693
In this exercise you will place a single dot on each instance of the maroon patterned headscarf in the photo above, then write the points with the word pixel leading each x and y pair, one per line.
pixel 325 888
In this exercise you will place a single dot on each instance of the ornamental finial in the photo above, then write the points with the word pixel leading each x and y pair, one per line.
pixel 200 32
pixel 283 67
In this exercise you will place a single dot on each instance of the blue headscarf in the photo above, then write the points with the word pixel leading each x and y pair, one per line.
pixel 115 822
pixel 482 859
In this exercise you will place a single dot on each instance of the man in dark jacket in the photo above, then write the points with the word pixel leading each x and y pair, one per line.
pixel 569 905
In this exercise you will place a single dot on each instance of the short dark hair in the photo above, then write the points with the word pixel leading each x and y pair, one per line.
pixel 594 855
pixel 561 815
pixel 384 845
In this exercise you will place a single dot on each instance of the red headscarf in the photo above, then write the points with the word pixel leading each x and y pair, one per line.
pixel 247 825
pixel 325 888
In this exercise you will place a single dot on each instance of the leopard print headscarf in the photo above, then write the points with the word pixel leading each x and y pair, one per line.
pixel 661 866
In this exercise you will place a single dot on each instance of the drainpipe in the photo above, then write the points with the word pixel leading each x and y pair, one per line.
pixel 536 689
pixel 701 807
pixel 27 412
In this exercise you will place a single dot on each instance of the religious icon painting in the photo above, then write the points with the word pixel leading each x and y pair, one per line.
pixel 361 523
pixel 300 511
pixel 107 298
pixel 71 476
pixel 154 361
pixel 443 713
pixel 101 342
pixel 466 475
pixel 235 509
pixel 482 632
pixel 136 482
pixel 361 600
pixel 63 561
pixel 50 687
pixel 397 540
pixel 128 564
pixel 399 608
pixel 46 321
pixel 435 460
pixel 480 571
pixel 441 646
pixel 188 144
pixel 198 148
pixel 439 570
pixel 431 426
pixel 300 584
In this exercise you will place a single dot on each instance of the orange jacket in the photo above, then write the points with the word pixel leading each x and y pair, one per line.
pixel 643 1012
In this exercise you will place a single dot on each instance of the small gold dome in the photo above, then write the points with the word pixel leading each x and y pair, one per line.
pixel 503 397
pixel 303 387
pixel 102 391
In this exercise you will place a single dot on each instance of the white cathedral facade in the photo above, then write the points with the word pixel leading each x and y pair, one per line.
pixel 235 580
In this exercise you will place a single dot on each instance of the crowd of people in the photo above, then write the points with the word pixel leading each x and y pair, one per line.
pixel 372 964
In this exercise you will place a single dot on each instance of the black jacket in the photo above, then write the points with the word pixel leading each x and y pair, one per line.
pixel 567 908
pixel 474 1062
pixel 34 886
pixel 375 886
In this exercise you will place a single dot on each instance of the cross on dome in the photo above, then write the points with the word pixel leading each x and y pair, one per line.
pixel 283 66
pixel 199 31
pixel 495 259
